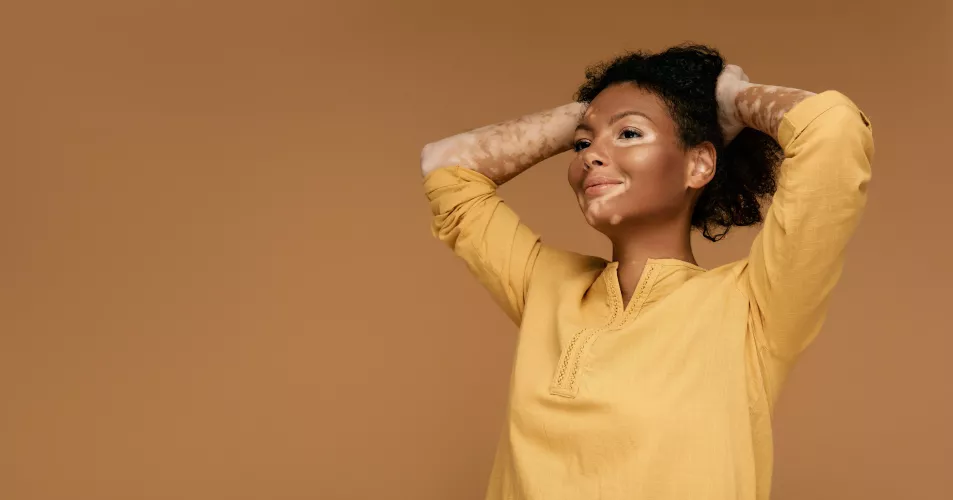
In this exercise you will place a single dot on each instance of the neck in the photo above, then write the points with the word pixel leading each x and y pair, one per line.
pixel 633 246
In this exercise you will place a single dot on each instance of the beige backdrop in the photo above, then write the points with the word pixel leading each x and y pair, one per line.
pixel 217 279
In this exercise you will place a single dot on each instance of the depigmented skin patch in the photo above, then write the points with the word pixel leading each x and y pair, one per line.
pixel 763 107
pixel 504 150
pixel 595 206
pixel 633 141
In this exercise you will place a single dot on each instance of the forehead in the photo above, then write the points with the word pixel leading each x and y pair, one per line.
pixel 625 97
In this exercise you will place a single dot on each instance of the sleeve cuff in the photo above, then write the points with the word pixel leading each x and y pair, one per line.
pixel 438 179
pixel 805 112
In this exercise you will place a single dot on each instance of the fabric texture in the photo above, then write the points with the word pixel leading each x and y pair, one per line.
pixel 670 397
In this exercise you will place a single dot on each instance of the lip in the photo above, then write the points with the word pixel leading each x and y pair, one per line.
pixel 600 184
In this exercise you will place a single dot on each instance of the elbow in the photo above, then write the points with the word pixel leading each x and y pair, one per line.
pixel 861 149
pixel 425 159
pixel 853 131
pixel 844 145
pixel 443 153
pixel 432 157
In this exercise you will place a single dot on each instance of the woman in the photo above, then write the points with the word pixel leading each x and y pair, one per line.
pixel 648 376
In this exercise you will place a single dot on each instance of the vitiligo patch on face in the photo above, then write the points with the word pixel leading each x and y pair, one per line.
pixel 597 205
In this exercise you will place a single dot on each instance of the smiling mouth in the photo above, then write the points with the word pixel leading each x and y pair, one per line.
pixel 603 189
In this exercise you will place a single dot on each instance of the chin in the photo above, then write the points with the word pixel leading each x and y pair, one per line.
pixel 605 213
pixel 604 223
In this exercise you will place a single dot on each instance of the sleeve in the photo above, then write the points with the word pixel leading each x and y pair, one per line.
pixel 480 228
pixel 797 258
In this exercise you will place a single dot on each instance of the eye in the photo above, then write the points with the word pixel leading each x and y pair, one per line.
pixel 580 145
pixel 630 133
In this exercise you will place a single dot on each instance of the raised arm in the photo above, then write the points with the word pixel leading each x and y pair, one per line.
pixel 745 104
pixel 503 150
pixel 461 174
pixel 797 258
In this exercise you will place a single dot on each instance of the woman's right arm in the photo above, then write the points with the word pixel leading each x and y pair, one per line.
pixel 461 174
pixel 503 150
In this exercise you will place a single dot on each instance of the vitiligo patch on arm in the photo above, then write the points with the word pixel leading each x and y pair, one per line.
pixel 762 107
pixel 503 150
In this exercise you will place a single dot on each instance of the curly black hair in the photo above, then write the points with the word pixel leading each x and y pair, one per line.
pixel 684 78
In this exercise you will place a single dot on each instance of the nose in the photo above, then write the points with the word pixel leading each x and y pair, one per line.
pixel 594 158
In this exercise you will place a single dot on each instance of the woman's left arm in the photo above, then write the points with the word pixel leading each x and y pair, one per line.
pixel 797 258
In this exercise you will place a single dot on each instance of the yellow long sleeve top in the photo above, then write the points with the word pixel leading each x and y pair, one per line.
pixel 670 397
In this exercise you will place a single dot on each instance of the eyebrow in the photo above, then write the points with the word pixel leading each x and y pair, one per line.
pixel 616 117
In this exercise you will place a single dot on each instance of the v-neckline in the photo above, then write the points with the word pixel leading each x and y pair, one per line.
pixel 643 287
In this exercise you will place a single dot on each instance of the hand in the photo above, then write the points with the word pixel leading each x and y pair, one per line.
pixel 731 82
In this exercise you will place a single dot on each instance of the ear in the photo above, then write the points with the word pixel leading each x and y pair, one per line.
pixel 701 165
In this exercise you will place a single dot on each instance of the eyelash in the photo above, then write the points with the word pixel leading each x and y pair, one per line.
pixel 577 145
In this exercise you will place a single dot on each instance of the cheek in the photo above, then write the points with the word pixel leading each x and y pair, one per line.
pixel 656 167
pixel 646 161
pixel 575 176
pixel 575 173
pixel 657 177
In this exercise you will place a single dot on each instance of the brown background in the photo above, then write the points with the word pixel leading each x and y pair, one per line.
pixel 217 279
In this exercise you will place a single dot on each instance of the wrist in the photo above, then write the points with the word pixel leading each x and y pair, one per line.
pixel 743 103
pixel 762 107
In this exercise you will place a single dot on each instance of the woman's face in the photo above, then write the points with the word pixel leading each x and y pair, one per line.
pixel 629 167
